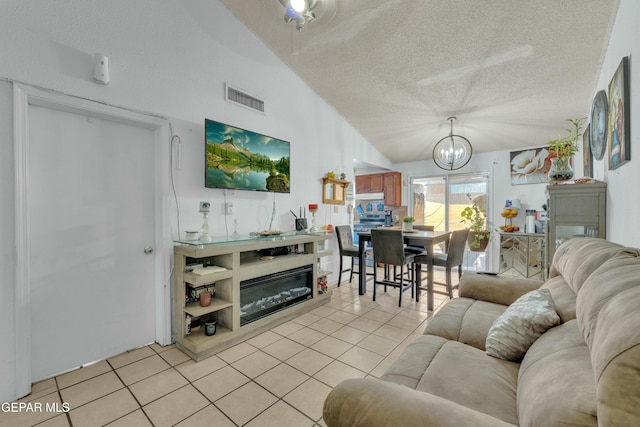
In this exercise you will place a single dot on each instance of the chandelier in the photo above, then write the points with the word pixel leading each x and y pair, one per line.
pixel 453 151
pixel 299 11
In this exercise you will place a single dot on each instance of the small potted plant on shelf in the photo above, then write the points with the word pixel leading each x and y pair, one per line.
pixel 564 148
pixel 476 220
pixel 407 223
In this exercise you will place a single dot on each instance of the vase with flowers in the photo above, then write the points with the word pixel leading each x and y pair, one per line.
pixel 564 148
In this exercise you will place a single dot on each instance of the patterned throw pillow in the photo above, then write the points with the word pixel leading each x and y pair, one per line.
pixel 521 325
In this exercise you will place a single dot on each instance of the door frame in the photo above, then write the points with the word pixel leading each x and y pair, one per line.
pixel 23 97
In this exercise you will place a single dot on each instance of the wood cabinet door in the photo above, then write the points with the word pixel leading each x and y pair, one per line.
pixel 362 184
pixel 376 183
pixel 369 183
pixel 392 189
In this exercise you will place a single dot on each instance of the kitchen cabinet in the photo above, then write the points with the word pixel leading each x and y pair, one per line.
pixel 389 183
pixel 392 188
pixel 369 184
pixel 575 210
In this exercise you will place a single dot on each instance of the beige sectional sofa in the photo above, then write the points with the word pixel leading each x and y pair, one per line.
pixel 583 372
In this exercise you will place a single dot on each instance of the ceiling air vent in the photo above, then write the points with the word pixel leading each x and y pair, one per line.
pixel 242 98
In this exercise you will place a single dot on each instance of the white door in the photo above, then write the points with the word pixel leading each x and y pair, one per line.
pixel 91 216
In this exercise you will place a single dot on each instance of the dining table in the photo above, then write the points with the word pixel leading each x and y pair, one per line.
pixel 426 239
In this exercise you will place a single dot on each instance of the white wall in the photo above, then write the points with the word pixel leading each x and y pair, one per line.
pixel 623 202
pixel 172 59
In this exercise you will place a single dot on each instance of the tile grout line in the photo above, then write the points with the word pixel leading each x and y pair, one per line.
pixel 345 300
pixel 59 391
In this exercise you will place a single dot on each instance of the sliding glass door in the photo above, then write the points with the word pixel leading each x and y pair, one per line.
pixel 439 200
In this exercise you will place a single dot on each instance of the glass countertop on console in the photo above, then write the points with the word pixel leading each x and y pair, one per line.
pixel 250 237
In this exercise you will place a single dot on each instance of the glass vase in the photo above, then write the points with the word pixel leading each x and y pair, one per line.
pixel 560 169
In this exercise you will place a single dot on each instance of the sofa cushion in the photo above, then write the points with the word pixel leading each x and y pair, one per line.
pixel 496 289
pixel 564 298
pixel 465 320
pixel 370 402
pixel 521 324
pixel 556 385
pixel 459 373
pixel 608 317
pixel 577 258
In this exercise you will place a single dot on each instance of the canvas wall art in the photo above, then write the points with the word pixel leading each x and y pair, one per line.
pixel 619 135
pixel 530 166
pixel 587 156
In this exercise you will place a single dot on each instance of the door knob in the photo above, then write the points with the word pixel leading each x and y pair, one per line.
pixel 148 249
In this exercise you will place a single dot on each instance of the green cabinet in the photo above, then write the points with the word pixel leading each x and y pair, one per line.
pixel 575 210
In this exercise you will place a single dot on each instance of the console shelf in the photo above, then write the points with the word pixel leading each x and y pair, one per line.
pixel 196 280
pixel 198 340
pixel 255 267
pixel 243 261
pixel 195 310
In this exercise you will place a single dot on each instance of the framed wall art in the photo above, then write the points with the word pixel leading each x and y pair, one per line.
pixel 587 157
pixel 619 135
pixel 530 166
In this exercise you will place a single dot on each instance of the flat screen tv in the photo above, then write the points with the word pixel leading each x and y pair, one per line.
pixel 239 159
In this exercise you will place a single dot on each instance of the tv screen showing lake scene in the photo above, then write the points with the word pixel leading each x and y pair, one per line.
pixel 243 160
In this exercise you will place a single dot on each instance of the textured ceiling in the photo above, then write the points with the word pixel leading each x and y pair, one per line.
pixel 511 71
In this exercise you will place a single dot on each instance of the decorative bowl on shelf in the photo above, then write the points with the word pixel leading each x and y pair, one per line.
pixel 270 233
pixel 191 235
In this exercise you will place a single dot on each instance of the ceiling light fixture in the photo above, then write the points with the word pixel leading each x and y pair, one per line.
pixel 453 151
pixel 298 5
pixel 299 11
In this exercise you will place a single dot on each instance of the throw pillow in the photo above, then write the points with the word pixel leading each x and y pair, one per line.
pixel 521 325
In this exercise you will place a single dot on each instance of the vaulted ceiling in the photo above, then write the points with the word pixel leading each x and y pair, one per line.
pixel 511 71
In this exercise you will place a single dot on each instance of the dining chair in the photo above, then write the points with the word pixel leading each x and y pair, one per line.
pixel 414 247
pixel 347 248
pixel 389 250
pixel 452 258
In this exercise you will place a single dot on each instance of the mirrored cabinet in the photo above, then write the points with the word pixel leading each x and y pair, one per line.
pixel 575 210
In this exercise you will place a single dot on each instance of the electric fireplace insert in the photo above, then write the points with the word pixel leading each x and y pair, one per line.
pixel 266 295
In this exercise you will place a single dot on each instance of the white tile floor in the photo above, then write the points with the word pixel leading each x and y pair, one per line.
pixel 278 378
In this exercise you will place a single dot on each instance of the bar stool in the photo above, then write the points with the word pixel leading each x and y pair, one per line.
pixel 388 249
pixel 346 247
